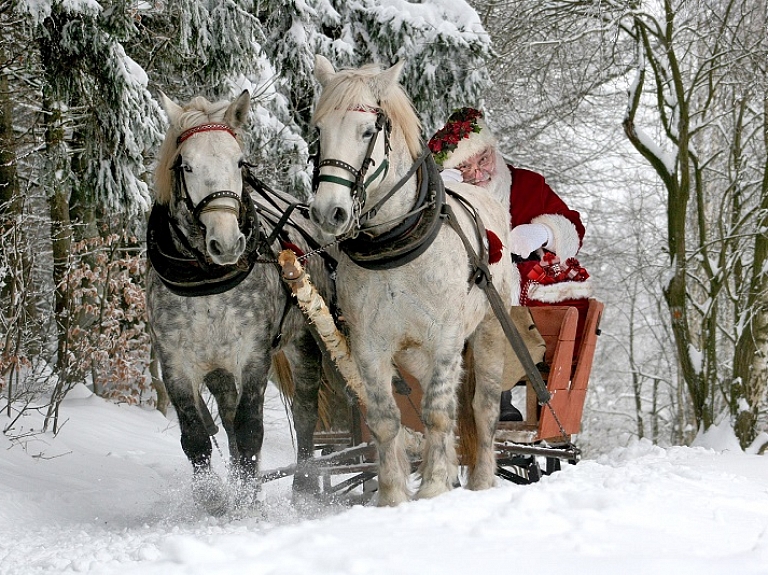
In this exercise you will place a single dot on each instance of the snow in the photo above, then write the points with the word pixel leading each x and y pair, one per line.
pixel 108 495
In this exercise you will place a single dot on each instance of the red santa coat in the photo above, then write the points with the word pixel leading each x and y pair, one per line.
pixel 531 200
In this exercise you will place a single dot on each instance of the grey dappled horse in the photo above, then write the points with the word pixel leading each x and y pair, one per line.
pixel 217 316
pixel 406 283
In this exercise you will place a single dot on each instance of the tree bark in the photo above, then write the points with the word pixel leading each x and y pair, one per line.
pixel 750 363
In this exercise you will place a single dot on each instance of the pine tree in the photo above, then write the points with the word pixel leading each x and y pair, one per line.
pixel 445 53
pixel 100 122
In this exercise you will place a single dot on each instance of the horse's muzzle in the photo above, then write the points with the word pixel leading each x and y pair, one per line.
pixel 332 220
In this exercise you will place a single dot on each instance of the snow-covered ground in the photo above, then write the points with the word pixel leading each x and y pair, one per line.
pixel 109 494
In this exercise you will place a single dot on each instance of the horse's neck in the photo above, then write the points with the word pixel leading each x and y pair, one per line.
pixel 396 208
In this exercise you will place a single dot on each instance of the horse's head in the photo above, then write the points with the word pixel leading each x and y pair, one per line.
pixel 363 117
pixel 199 171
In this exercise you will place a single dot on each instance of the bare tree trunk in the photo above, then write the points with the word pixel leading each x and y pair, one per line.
pixel 61 243
pixel 750 364
pixel 636 377
pixel 9 189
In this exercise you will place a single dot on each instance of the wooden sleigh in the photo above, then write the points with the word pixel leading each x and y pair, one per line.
pixel 546 433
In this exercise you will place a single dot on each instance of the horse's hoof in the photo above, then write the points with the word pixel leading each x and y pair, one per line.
pixel 247 504
pixel 429 490
pixel 209 493
pixel 306 481
pixel 390 499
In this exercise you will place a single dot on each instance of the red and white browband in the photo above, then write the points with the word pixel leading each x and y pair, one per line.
pixel 364 108
pixel 204 128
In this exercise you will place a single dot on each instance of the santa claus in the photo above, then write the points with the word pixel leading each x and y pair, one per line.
pixel 545 234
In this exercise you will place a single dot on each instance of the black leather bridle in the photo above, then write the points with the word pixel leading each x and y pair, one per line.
pixel 180 183
pixel 359 184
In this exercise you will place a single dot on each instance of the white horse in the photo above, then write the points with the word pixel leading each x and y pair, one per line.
pixel 405 284
pixel 218 310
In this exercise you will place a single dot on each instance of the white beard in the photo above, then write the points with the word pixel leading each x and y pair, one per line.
pixel 499 184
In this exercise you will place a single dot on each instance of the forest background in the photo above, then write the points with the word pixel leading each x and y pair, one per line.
pixel 649 117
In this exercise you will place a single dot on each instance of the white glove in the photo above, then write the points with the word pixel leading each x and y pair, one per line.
pixel 451 175
pixel 527 238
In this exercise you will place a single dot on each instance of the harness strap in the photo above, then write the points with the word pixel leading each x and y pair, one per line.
pixel 288 305
pixel 278 228
pixel 279 223
pixel 204 205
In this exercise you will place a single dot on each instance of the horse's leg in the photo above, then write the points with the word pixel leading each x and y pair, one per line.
pixel 248 427
pixel 207 488
pixel 221 383
pixel 306 363
pixel 488 344
pixel 439 469
pixel 383 420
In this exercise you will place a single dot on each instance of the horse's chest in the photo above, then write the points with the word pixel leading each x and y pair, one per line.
pixel 211 329
pixel 412 297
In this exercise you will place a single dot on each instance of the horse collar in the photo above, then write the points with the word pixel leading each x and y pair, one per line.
pixel 187 272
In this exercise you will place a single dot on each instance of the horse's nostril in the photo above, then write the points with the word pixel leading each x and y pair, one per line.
pixel 339 216
pixel 214 248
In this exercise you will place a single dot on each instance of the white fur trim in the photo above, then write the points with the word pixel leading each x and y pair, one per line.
pixel 451 175
pixel 565 239
pixel 553 293
pixel 468 147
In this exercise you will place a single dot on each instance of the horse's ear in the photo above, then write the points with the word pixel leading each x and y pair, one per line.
pixel 237 113
pixel 324 70
pixel 171 108
pixel 386 81
pixel 391 76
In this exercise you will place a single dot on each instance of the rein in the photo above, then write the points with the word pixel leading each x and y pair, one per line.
pixel 280 217
pixel 481 276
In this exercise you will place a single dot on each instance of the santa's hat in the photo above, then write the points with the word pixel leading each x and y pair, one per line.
pixel 464 135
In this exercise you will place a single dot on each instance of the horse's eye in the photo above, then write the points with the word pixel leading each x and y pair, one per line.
pixel 186 167
pixel 369 132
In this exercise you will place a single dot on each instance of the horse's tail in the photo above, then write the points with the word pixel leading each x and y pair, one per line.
pixel 283 376
pixel 466 426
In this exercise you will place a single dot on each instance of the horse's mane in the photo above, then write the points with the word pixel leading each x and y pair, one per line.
pixel 350 88
pixel 197 111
